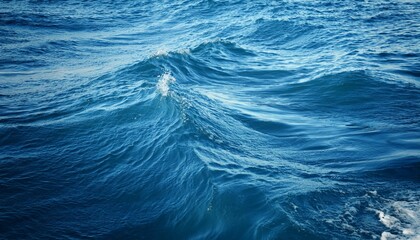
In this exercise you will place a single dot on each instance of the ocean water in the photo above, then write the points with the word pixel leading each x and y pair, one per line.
pixel 210 119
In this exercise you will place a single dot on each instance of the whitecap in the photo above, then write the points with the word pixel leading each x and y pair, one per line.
pixel 161 52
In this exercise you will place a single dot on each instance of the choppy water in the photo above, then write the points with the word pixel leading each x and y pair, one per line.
pixel 210 119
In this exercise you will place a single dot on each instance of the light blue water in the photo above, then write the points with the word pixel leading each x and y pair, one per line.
pixel 209 119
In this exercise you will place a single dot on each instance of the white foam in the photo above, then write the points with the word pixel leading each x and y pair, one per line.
pixel 163 51
pixel 403 217
pixel 163 84
pixel 388 220
pixel 388 236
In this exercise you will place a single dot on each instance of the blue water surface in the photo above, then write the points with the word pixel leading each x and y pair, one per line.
pixel 209 119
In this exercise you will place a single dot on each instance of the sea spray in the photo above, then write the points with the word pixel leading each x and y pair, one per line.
pixel 163 84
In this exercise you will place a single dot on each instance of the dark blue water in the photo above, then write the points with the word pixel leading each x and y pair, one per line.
pixel 209 119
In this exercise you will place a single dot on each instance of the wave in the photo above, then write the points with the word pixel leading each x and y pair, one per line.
pixel 286 34
pixel 253 120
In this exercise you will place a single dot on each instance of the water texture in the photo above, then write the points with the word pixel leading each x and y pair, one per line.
pixel 209 119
